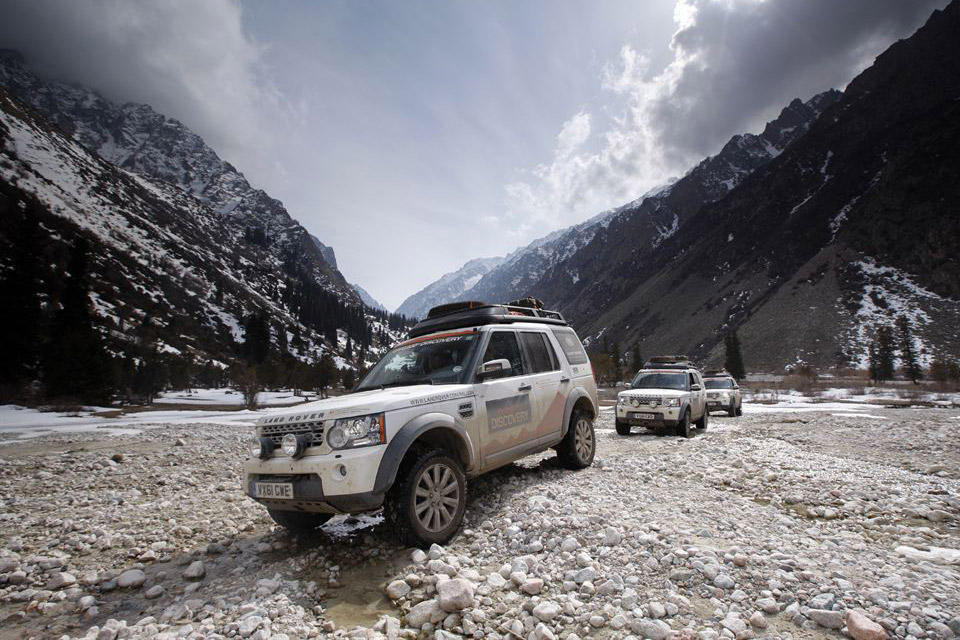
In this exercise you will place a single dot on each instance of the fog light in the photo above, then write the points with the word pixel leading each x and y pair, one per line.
pixel 292 445
pixel 261 448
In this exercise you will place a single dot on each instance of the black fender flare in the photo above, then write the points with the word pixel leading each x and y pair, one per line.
pixel 408 434
pixel 572 399
pixel 685 406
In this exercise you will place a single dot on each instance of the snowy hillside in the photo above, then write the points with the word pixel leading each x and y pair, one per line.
pixel 449 287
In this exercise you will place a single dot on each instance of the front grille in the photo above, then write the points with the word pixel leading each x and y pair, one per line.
pixel 713 395
pixel 312 429
pixel 639 401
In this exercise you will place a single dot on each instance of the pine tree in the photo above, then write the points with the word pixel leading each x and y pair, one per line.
pixel 884 354
pixel 349 378
pixel 908 352
pixel 256 345
pixel 76 364
pixel 615 357
pixel 733 359
pixel 326 371
pixel 21 323
pixel 874 359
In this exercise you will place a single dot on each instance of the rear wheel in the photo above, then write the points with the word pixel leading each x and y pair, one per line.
pixel 298 521
pixel 426 504
pixel 578 447
pixel 623 428
pixel 683 426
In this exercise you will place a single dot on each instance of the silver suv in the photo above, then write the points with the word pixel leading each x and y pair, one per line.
pixel 667 393
pixel 476 386
pixel 723 392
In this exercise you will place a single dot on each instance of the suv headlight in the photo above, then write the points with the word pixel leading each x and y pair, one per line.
pixel 261 447
pixel 672 402
pixel 621 399
pixel 361 431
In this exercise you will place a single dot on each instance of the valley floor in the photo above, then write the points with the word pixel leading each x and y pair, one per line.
pixel 769 525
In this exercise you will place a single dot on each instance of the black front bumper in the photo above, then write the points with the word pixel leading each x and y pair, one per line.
pixel 308 496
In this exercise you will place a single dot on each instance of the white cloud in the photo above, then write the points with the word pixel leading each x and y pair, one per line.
pixel 735 64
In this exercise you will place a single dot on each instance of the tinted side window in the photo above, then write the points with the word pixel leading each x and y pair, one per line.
pixel 503 344
pixel 570 344
pixel 538 352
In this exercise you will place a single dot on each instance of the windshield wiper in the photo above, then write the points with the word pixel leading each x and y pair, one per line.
pixel 400 383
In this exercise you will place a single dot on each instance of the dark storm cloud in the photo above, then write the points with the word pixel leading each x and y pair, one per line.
pixel 189 60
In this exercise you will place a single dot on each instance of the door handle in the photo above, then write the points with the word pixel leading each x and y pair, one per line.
pixel 525 387
pixel 564 379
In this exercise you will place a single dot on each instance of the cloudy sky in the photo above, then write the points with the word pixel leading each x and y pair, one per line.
pixel 414 135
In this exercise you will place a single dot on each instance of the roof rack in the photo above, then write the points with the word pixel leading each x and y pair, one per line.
pixel 458 315
pixel 668 362
pixel 716 373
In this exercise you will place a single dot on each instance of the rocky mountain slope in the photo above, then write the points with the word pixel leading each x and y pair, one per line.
pixel 853 225
pixel 548 268
pixel 183 251
pixel 137 139
pixel 449 287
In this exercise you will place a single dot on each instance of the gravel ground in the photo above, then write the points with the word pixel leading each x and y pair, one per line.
pixel 769 525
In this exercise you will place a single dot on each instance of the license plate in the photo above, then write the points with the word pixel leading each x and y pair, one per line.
pixel 713 404
pixel 274 490
pixel 642 416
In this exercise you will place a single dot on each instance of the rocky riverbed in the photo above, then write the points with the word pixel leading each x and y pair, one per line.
pixel 773 525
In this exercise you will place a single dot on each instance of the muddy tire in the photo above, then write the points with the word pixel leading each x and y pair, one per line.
pixel 739 411
pixel 425 505
pixel 623 428
pixel 701 424
pixel 732 412
pixel 298 521
pixel 683 426
pixel 578 447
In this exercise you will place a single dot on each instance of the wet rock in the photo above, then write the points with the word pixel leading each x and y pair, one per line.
pixel 153 592
pixel 397 589
pixel 131 579
pixel 196 571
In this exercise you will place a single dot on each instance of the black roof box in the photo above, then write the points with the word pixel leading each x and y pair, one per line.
pixel 668 362
pixel 716 373
pixel 458 315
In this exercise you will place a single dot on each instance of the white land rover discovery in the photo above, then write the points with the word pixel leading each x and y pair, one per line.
pixel 475 387
pixel 723 392
pixel 667 393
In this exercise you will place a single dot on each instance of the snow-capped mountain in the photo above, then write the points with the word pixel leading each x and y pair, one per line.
pixel 368 299
pixel 449 287
pixel 137 139
pixel 852 225
pixel 653 217
pixel 183 251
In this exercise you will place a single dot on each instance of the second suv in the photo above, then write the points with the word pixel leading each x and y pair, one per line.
pixel 475 387
pixel 723 393
pixel 667 393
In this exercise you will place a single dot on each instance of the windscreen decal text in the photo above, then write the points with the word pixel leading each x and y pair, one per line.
pixel 508 413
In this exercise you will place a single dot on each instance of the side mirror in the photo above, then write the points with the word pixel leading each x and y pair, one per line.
pixel 494 369
pixel 629 385
pixel 694 387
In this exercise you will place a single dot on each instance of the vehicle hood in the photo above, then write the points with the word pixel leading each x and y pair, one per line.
pixel 663 393
pixel 373 401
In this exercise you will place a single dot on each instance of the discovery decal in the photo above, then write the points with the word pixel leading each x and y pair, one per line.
pixel 507 413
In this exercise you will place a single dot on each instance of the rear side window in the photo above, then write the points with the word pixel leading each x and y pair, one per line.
pixel 570 344
pixel 540 354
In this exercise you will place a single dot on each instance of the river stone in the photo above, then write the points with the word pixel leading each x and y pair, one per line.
pixel 132 579
pixel 423 613
pixel 397 589
pixel 860 627
pixel 196 571
pixel 455 594
pixel 546 611
pixel 827 618
pixel 61 580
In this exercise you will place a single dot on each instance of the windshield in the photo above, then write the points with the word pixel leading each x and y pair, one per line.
pixel 441 359
pixel 718 383
pixel 660 380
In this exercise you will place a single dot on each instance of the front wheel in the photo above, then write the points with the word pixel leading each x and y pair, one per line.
pixel 683 426
pixel 298 521
pixel 426 504
pixel 623 428
pixel 739 411
pixel 578 447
